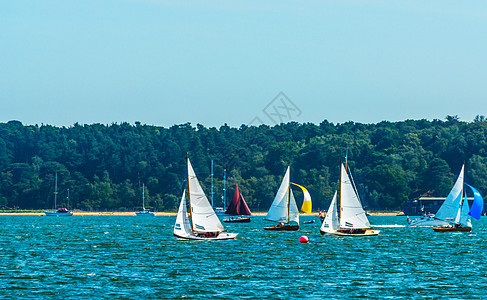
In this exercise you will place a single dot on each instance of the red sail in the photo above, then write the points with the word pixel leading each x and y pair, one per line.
pixel 238 206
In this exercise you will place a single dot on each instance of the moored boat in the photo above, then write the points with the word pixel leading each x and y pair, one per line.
pixel 144 212
pixel 60 212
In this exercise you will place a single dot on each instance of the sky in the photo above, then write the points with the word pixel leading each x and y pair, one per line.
pixel 241 62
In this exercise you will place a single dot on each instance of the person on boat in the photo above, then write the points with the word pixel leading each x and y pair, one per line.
pixel 281 224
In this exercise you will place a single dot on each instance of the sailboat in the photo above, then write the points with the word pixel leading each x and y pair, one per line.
pixel 238 207
pixel 60 212
pixel 455 212
pixel 345 216
pixel 284 209
pixel 144 212
pixel 202 222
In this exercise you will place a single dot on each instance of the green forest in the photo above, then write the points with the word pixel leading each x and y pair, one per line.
pixel 104 166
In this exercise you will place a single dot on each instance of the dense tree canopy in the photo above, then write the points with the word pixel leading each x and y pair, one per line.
pixel 104 166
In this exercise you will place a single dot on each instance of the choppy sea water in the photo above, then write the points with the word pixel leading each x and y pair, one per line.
pixel 135 257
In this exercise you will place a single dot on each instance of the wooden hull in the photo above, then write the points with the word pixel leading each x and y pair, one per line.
pixel 221 237
pixel 367 232
pixel 452 229
pixel 283 228
pixel 237 220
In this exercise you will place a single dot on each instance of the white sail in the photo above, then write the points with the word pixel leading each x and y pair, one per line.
pixel 278 212
pixel 203 216
pixel 331 222
pixel 464 216
pixel 449 209
pixel 352 213
pixel 182 227
pixel 293 209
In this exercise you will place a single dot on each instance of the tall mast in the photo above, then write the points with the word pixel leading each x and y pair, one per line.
pixel 189 198
pixel 340 193
pixel 143 198
pixel 55 191
pixel 68 200
pixel 289 194
pixel 212 183
pixel 224 188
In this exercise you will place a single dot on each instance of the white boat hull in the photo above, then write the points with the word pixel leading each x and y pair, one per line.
pixel 58 214
pixel 368 232
pixel 222 236
pixel 145 214
pixel 427 222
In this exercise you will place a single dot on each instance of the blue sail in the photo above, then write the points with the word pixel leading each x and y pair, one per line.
pixel 477 205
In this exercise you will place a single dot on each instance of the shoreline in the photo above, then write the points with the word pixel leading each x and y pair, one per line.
pixel 172 214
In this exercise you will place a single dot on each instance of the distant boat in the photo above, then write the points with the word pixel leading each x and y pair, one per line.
pixel 455 211
pixel 144 212
pixel 60 212
pixel 238 207
pixel 284 210
pixel 202 222
pixel 345 216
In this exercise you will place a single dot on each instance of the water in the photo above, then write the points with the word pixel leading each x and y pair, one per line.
pixel 132 257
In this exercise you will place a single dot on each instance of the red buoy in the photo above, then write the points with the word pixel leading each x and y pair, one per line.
pixel 304 239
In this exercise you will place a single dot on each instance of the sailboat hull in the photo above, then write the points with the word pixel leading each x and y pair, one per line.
pixel 237 220
pixel 58 214
pixel 221 237
pixel 426 222
pixel 282 228
pixel 348 232
pixel 145 214
pixel 452 229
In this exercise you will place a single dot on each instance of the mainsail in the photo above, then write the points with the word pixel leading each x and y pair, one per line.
pixel 352 215
pixel 204 218
pixel 238 207
pixel 449 209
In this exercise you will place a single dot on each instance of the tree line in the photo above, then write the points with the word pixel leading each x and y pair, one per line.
pixel 104 166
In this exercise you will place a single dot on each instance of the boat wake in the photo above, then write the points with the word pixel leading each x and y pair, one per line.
pixel 390 226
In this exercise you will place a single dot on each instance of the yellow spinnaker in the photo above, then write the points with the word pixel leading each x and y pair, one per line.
pixel 307 199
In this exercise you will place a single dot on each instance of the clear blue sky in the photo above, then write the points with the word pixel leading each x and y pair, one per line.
pixel 214 62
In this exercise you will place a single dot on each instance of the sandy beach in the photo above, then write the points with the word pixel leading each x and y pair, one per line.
pixel 169 214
